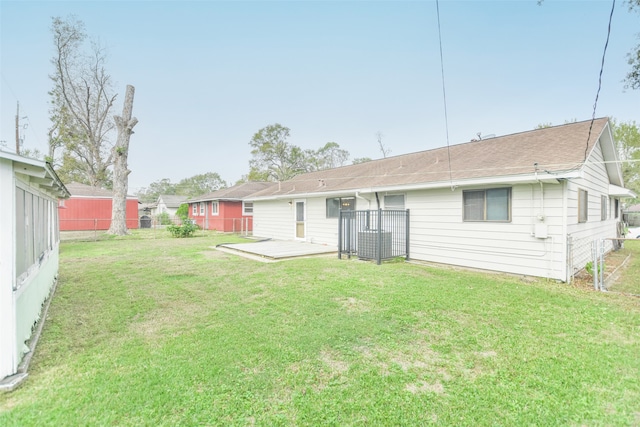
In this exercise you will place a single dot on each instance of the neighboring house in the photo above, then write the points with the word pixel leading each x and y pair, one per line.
pixel 226 210
pixel 169 204
pixel 520 203
pixel 90 208
pixel 631 215
pixel 29 248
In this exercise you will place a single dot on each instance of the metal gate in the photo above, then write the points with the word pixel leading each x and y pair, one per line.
pixel 374 234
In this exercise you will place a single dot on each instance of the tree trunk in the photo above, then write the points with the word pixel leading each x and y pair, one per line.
pixel 121 173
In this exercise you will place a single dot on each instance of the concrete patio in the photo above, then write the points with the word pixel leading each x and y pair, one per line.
pixel 277 250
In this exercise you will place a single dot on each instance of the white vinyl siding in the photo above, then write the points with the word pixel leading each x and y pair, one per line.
pixel 439 234
pixel 274 219
pixel 595 181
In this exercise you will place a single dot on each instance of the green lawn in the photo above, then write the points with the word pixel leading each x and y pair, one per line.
pixel 151 330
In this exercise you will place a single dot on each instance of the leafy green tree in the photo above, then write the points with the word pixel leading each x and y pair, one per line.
pixel 183 211
pixel 633 77
pixel 358 160
pixel 328 157
pixel 627 136
pixel 201 184
pixel 151 193
pixel 274 158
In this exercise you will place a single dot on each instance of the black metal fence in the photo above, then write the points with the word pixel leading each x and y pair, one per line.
pixel 374 234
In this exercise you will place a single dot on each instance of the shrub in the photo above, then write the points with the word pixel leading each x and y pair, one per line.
pixel 163 218
pixel 187 229
pixel 589 268
pixel 183 212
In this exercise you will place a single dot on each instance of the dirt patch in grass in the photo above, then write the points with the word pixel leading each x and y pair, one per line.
pixel 353 305
pixel 425 387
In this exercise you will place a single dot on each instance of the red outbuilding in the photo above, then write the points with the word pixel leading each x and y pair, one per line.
pixel 226 210
pixel 89 208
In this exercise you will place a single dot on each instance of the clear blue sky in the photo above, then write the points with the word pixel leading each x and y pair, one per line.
pixel 209 74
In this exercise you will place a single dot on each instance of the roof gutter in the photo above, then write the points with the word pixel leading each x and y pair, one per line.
pixel 548 178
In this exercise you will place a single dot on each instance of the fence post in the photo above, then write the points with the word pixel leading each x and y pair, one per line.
pixel 379 251
pixel 601 265
pixel 594 262
pixel 407 234
pixel 340 234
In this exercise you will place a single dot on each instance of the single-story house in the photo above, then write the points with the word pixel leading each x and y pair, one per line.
pixel 528 203
pixel 29 250
pixel 631 215
pixel 226 210
pixel 169 204
pixel 90 208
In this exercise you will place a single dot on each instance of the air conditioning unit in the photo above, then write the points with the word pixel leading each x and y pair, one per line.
pixel 368 244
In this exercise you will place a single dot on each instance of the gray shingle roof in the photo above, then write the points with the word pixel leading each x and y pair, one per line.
pixel 554 149
pixel 83 190
pixel 172 201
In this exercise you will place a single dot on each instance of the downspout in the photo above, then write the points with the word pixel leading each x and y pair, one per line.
pixel 377 200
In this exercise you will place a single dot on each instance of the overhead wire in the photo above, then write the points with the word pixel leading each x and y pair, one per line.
pixel 595 104
pixel 444 94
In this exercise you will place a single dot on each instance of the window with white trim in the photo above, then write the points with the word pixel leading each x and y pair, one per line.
pixel 247 208
pixel 214 207
pixel 337 204
pixel 487 205
pixel 583 205
pixel 603 208
pixel 195 209
pixel 394 201
pixel 202 208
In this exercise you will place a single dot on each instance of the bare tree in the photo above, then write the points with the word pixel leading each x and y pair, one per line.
pixel 125 125
pixel 383 149
pixel 82 98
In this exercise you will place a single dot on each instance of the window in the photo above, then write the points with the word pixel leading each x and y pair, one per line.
pixel 616 209
pixel 583 205
pixel 36 230
pixel 603 208
pixel 487 205
pixel 214 207
pixel 335 205
pixel 202 208
pixel 394 201
pixel 195 209
pixel 247 208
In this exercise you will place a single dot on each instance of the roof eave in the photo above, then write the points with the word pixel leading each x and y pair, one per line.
pixel 617 191
pixel 546 178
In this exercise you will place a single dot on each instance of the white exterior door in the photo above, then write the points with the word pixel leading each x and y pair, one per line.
pixel 300 213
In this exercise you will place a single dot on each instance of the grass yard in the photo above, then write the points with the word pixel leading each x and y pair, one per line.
pixel 151 330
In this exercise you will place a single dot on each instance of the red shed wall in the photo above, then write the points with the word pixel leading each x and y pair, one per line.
pixel 85 213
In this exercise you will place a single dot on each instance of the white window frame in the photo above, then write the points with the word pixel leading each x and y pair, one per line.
pixel 344 203
pixel 244 208
pixel 392 206
pixel 194 210
pixel 485 202
pixel 583 206
pixel 215 208
pixel 203 208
